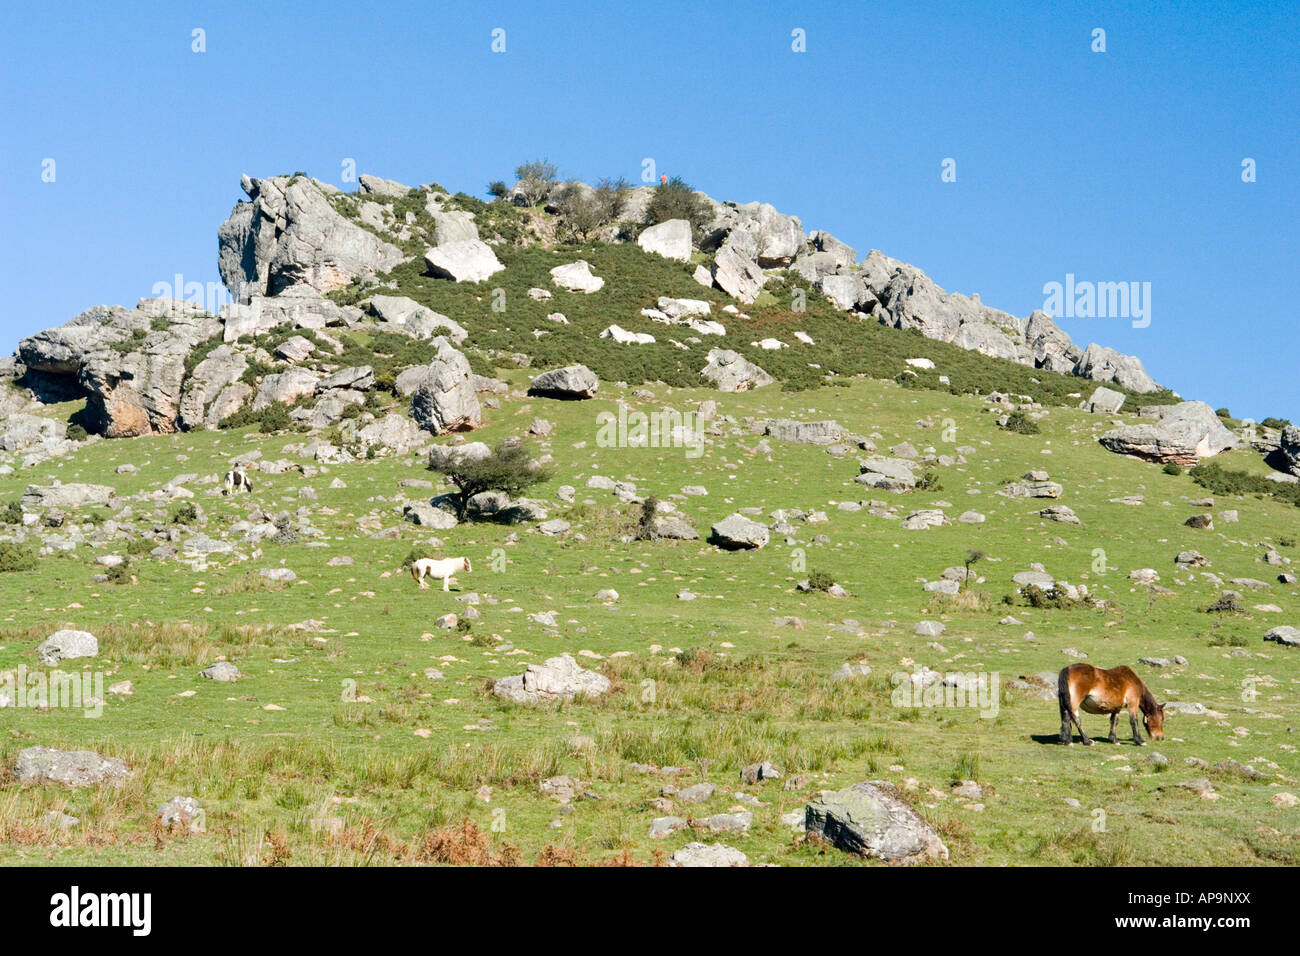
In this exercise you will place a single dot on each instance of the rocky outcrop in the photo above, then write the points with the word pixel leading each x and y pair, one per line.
pixel 906 298
pixel 1287 456
pixel 1184 434
pixel 209 394
pixel 288 235
pixel 128 363
pixel 1107 365
pixel 68 496
pixel 757 232
pixel 300 306
pixel 134 388
pixel 446 400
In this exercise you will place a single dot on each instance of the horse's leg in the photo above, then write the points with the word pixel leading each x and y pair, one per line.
pixel 1066 737
pixel 1133 722
pixel 446 583
pixel 1114 717
pixel 1083 736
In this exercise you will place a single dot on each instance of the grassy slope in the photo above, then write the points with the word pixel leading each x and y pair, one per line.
pixel 756 689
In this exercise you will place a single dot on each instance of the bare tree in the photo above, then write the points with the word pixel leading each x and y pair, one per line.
pixel 536 180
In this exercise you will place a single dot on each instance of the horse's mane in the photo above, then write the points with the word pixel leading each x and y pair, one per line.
pixel 1148 703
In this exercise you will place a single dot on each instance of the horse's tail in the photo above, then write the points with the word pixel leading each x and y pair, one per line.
pixel 414 572
pixel 1063 690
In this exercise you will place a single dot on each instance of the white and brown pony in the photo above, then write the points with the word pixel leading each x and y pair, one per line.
pixel 1096 690
pixel 433 568
pixel 236 480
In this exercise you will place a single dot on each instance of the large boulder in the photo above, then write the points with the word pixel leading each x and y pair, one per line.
pixel 577 277
pixel 736 275
pixel 442 457
pixel 738 533
pixel 670 239
pixel 873 820
pixel 67 644
pixel 847 292
pixel 64 497
pixel 559 678
pixel 368 185
pixel 69 768
pixel 572 381
pixel 886 474
pixel 707 855
pixel 394 433
pixel 1106 365
pixel 469 260
pixel 415 319
pixel 286 387
pixel 803 433
pixel 446 400
pixel 289 235
pixel 1184 434
pixel 731 372
pixel 1104 401
pixel 453 226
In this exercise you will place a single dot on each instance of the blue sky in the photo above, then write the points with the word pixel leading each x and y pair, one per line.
pixel 1115 166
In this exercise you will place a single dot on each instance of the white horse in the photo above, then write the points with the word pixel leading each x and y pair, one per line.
pixel 236 480
pixel 429 567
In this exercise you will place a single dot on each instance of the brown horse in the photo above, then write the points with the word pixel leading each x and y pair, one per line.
pixel 1101 691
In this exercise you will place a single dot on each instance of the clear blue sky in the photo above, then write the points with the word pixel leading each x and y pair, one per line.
pixel 1115 166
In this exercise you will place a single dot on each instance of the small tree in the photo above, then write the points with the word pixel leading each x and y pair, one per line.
pixel 676 199
pixel 972 557
pixel 536 179
pixel 585 211
pixel 645 526
pixel 508 468
pixel 497 189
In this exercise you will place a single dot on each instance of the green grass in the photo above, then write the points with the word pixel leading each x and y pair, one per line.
pixel 369 758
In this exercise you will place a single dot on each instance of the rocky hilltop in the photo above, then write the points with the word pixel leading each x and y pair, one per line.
pixel 315 265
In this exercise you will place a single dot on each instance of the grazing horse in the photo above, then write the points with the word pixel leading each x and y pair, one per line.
pixel 1100 691
pixel 236 480
pixel 428 567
